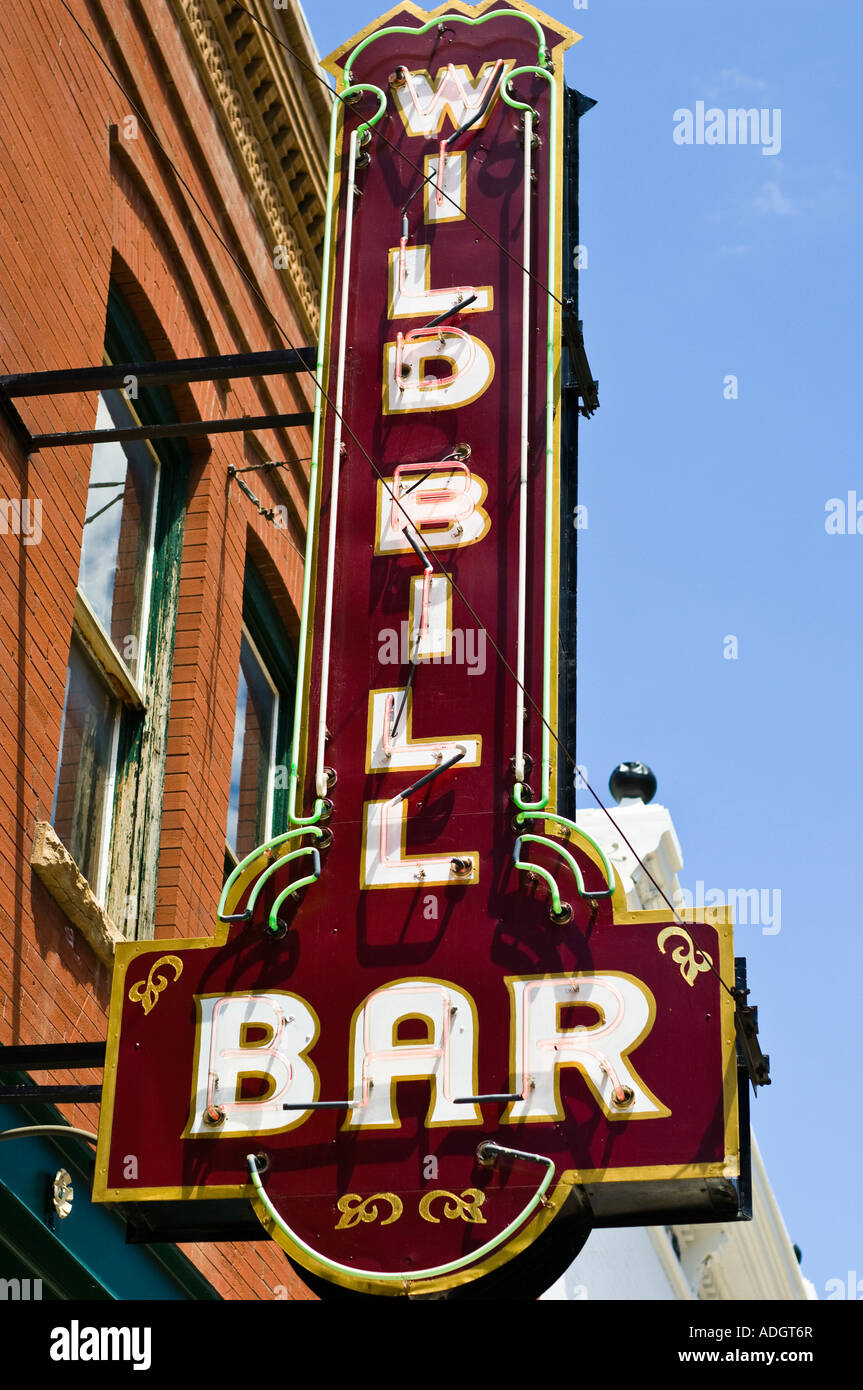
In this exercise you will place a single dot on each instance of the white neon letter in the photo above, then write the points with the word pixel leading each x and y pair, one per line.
pixel 410 292
pixel 261 1036
pixel 456 93
pixel 446 1056
pixel 410 386
pixel 445 193
pixel 441 500
pixel 599 1049
pixel 404 753
pixel 386 863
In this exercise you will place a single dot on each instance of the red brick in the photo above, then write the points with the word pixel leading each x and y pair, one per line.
pixel 68 206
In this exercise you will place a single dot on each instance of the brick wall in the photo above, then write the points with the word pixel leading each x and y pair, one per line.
pixel 82 203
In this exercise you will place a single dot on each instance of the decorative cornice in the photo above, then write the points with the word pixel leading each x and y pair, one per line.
pixel 232 108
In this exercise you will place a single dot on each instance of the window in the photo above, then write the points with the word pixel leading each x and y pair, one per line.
pixel 107 801
pixel 250 808
pixel 257 804
pixel 116 556
pixel 88 752
pixel 107 655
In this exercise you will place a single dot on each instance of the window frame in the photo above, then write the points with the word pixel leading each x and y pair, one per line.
pixel 263 628
pixel 110 667
pixel 132 774
pixel 105 651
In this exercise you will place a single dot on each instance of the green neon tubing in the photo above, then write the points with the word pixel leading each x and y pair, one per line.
pixel 567 857
pixel 312 520
pixel 273 868
pixel 408 1276
pixel 444 19
pixel 266 848
pixel 538 869
pixel 291 888
pixel 516 105
pixel 580 835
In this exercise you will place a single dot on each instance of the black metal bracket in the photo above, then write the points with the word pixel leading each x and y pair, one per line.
pixel 58 1095
pixel 481 1100
pixel 744 1182
pixel 51 1057
pixel 588 388
pixel 180 372
pixel 746 1025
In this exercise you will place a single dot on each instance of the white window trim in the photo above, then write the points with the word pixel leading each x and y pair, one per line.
pixel 105 655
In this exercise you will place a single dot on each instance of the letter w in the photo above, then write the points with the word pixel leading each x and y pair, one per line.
pixel 456 93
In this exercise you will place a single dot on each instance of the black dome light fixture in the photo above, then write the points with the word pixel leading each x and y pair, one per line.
pixel 632 782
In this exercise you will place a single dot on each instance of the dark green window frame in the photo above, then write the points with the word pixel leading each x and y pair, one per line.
pixel 136 774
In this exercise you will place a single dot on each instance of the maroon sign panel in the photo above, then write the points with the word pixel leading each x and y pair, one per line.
pixel 426 1013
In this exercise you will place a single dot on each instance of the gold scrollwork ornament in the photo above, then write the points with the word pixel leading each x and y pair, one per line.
pixel 355 1209
pixel 146 992
pixel 467 1206
pixel 686 956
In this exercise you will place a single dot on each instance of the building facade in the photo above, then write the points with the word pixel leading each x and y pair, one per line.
pixel 164 179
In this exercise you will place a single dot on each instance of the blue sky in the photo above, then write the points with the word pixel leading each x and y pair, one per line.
pixel 706 515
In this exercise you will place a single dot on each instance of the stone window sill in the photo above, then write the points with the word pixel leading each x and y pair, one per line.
pixel 57 870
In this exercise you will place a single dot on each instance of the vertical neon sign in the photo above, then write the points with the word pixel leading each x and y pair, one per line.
pixel 426 1003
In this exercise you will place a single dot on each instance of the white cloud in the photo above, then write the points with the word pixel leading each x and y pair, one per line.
pixel 771 199
pixel 735 78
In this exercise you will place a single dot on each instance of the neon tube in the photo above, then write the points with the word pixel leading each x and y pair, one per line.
pixel 408 1276
pixel 311 524
pixel 475 105
pixel 218 1112
pixel 462 292
pixel 428 1050
pixel 386 737
pixel 566 857
pixel 545 764
pixel 580 835
pixel 539 870
pixel 442 144
pixel 385 817
pixel 542 50
pixel 428 571
pixel 522 484
pixel 386 807
pixel 424 1050
pixel 274 868
pixel 266 848
pixel 429 498
pixel 297 885
pixel 321 783
pixel 603 1029
pixel 417 335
